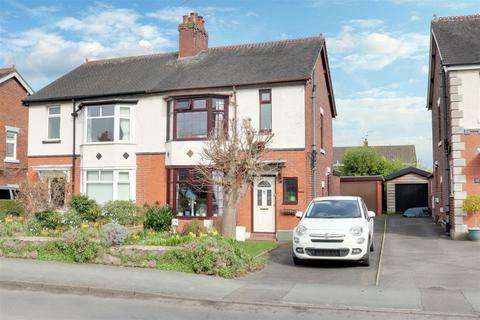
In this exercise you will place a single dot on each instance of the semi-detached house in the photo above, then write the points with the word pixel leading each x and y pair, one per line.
pixel 133 127
pixel 454 102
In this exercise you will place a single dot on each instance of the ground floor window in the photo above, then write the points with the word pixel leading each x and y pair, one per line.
pixel 190 195
pixel 108 185
pixel 290 190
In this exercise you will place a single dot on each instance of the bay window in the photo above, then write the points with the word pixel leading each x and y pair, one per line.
pixel 195 118
pixel 191 196
pixel 108 185
pixel 108 123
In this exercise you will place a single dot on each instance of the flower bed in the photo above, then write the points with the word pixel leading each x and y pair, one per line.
pixel 114 235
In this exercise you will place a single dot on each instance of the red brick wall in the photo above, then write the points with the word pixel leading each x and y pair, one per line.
pixel 151 179
pixel 54 160
pixel 324 160
pixel 438 189
pixel 13 114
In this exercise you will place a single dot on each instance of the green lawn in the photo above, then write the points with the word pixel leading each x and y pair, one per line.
pixel 256 247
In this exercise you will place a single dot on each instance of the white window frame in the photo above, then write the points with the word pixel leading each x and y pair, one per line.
pixel 15 132
pixel 116 181
pixel 116 124
pixel 48 122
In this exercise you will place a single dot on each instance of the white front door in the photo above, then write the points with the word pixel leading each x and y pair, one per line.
pixel 264 204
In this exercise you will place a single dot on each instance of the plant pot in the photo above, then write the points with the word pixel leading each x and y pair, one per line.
pixel 474 234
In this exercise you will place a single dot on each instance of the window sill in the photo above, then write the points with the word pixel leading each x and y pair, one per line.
pixel 290 203
pixel 194 217
pixel 190 139
pixel 48 141
pixel 107 143
pixel 11 160
pixel 265 131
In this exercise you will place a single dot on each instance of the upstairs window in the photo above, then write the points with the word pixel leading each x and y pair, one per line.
pixel 108 123
pixel 265 110
pixel 53 123
pixel 11 146
pixel 195 118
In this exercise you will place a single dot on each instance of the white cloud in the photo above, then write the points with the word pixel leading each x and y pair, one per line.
pixel 424 69
pixel 388 116
pixel 368 45
pixel 170 14
pixel 45 53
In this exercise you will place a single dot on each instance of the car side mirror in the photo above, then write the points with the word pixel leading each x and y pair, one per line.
pixel 299 214
pixel 371 214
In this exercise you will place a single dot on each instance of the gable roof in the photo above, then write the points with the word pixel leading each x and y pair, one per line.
pixel 408 171
pixel 11 72
pixel 402 153
pixel 268 62
pixel 458 39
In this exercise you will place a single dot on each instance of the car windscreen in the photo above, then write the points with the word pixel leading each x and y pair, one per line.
pixel 4 194
pixel 334 209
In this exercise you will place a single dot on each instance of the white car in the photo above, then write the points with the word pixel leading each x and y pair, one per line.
pixel 334 228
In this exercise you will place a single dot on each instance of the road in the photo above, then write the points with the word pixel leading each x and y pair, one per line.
pixel 15 304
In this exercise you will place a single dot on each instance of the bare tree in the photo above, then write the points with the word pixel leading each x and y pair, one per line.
pixel 230 160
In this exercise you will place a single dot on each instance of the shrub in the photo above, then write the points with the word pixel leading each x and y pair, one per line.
pixel 11 208
pixel 114 234
pixel 195 226
pixel 121 212
pixel 71 218
pixel 33 197
pixel 48 219
pixel 218 256
pixel 87 208
pixel 157 218
pixel 82 245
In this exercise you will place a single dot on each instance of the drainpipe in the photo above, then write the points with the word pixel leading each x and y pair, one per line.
pixel 76 109
pixel 446 148
pixel 313 155
pixel 74 138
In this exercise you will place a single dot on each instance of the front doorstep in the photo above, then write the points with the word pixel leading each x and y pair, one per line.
pixel 262 236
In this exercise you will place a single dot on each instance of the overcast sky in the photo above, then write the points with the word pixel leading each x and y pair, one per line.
pixel 378 49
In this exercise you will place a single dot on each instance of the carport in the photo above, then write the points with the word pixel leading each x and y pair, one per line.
pixel 407 188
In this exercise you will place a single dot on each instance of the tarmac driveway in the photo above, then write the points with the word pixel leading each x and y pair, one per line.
pixel 418 254
pixel 280 269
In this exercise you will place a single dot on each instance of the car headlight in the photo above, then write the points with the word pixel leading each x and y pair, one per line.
pixel 356 231
pixel 301 230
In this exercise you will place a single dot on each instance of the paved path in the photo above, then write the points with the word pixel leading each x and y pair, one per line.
pixel 54 306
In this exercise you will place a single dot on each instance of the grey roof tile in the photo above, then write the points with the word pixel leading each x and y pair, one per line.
pixel 458 39
pixel 215 67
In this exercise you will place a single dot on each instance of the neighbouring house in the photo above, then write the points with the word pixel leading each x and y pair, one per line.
pixel 406 154
pixel 454 102
pixel 13 127
pixel 133 127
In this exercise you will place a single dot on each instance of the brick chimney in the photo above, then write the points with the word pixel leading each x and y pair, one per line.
pixel 193 37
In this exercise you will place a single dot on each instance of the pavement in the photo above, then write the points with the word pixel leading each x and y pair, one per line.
pixel 422 273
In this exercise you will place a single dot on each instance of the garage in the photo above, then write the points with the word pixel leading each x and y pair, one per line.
pixel 407 188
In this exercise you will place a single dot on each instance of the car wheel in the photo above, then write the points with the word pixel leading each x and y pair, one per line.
pixel 365 262
pixel 371 247
pixel 297 261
